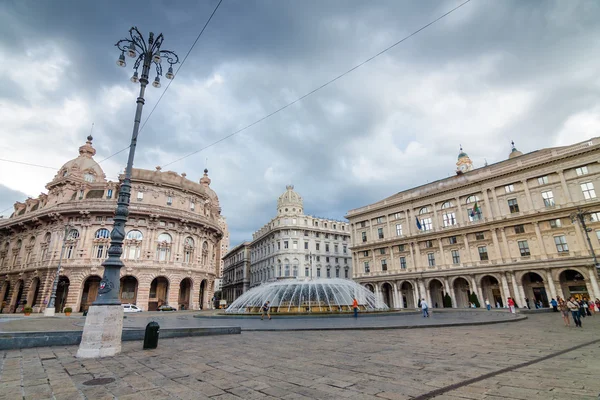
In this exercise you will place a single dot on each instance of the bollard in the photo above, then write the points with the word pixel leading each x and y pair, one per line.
pixel 151 335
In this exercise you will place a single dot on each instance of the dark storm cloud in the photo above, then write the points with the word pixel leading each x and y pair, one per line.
pixel 487 74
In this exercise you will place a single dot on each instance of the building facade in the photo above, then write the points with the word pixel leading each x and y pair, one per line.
pixel 297 245
pixel 171 250
pixel 224 244
pixel 236 272
pixel 503 230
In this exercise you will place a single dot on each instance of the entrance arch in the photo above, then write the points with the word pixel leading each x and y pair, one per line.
pixel 185 289
pixel 34 292
pixel 490 288
pixel 129 288
pixel 386 293
pixel 462 292
pixel 4 292
pixel 17 297
pixel 535 289
pixel 62 291
pixel 90 292
pixel 159 293
pixel 201 301
pixel 370 287
pixel 436 289
pixel 408 297
pixel 573 283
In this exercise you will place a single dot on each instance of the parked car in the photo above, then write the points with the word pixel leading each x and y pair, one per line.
pixel 166 307
pixel 131 308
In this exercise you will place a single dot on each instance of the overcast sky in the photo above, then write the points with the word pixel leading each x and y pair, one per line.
pixel 489 73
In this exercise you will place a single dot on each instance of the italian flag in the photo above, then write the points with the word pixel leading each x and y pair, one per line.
pixel 476 209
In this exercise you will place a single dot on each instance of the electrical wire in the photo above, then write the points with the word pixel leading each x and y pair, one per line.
pixel 322 86
pixel 30 164
pixel 171 80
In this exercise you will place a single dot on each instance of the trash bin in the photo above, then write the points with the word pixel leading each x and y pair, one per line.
pixel 151 335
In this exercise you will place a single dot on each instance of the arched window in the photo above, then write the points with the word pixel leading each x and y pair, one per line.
pixel 163 252
pixel 89 177
pixel 295 265
pixel 134 234
pixel 328 271
pixel 165 238
pixel 19 244
pixel 287 267
pixel 204 253
pixel 45 244
pixel 279 268
pixel 447 204
pixel 423 210
pixel 337 271
pixel 72 237
pixel 133 244
pixel 102 234
pixel 471 199
pixel 188 249
pixel 73 234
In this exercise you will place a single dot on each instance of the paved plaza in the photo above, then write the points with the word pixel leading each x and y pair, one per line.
pixel 537 358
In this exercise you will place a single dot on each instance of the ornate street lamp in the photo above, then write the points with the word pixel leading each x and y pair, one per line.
pixel 105 320
pixel 581 216
pixel 70 233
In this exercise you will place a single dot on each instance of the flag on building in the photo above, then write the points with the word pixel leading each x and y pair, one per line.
pixel 476 209
pixel 418 223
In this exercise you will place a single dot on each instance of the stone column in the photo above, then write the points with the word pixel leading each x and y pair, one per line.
pixel 399 297
pixel 551 284
pixel 497 245
pixel 516 292
pixel 476 289
pixel 594 282
pixel 416 296
pixel 467 249
pixel 392 267
pixel 442 254
pixel 461 218
pixel 487 203
pixel 565 187
pixel 389 232
pixel 527 195
pixel 450 291
pixel 372 235
pixel 585 250
pixel 417 257
pixel 507 255
pixel 505 291
pixel 522 303
pixel 424 292
pixel 436 222
pixel 395 295
pixel 496 204
pixel 540 240
pixel 408 222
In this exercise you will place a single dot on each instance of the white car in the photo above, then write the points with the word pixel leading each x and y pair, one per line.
pixel 131 308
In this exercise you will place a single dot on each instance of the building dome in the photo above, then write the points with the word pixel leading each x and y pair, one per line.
pixel 290 202
pixel 84 166
pixel 464 163
pixel 514 152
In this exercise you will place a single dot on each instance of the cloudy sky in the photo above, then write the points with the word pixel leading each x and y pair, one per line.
pixel 489 73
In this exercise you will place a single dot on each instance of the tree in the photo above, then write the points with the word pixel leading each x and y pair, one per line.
pixel 473 299
pixel 447 301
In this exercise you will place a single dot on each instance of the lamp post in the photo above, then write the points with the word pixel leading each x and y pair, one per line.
pixel 49 311
pixel 106 312
pixel 580 216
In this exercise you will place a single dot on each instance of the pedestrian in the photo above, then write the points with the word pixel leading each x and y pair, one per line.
pixel 355 307
pixel 581 308
pixel 527 302
pixel 554 305
pixel 511 305
pixel 266 309
pixel 592 306
pixel 425 308
pixel 564 310
pixel 488 305
pixel 497 304
pixel 586 307
pixel 573 306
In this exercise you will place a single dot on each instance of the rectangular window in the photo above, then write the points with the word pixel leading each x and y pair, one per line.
pixel 380 233
pixel 401 247
pixel 548 197
pixel 169 200
pixel 366 253
pixel 431 259
pixel 588 190
pixel 345 249
pixel 306 272
pixel 294 245
pixel 383 265
pixel 109 194
pixel 294 221
pixel 509 188
pixel 317 234
pixel 561 244
pixel 402 262
pixel 581 171
pixel 428 244
pixel 363 224
pixel 595 217
pixel 140 196
pixel 452 240
pixel 306 257
pixel 326 259
pixel 555 223
pixel 337 271
pixel 449 219
pixel 513 206
pixel 305 245
pixel 305 233
pixel 483 254
pixel 519 229
pixel 474 216
pixel 543 180
pixel 192 205
pixel 380 220
pixel 455 257
pixel 524 248
pixel 318 246
pixel 367 269
pixel 364 236
pixel 278 245
pixel 346 261
pixel 426 224
pixel 398 229
pixel 81 192
pixel 397 216
pixel 479 236
pixel 327 236
pixel 345 272
pixel 318 272
pixel 318 258
pixel 327 247
pixel 336 248
pixel 382 251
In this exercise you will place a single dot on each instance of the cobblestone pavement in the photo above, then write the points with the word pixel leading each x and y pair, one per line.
pixel 481 362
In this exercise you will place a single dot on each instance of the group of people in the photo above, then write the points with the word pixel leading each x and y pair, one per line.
pixel 577 308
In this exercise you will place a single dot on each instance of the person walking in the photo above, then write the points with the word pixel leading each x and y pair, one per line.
pixel 573 306
pixel 488 305
pixel 592 305
pixel 511 305
pixel 355 307
pixel 266 309
pixel 554 305
pixel 425 308
pixel 564 310
pixel 581 308
pixel 586 307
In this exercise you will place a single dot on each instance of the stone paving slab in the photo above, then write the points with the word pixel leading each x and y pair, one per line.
pixel 386 364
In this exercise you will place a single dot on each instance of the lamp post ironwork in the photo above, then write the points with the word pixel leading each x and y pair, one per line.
pixel 580 216
pixel 145 54
pixel 50 308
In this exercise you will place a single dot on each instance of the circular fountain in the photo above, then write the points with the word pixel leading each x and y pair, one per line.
pixel 293 296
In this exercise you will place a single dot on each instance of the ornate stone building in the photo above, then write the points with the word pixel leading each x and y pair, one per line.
pixel 501 230
pixel 297 245
pixel 224 247
pixel 171 251
pixel 236 275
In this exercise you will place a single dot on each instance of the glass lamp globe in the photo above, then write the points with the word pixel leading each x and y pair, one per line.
pixel 131 52
pixel 156 82
pixel 169 74
pixel 156 58
pixel 135 78
pixel 121 61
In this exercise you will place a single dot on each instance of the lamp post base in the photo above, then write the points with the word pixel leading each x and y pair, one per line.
pixel 102 332
pixel 49 312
